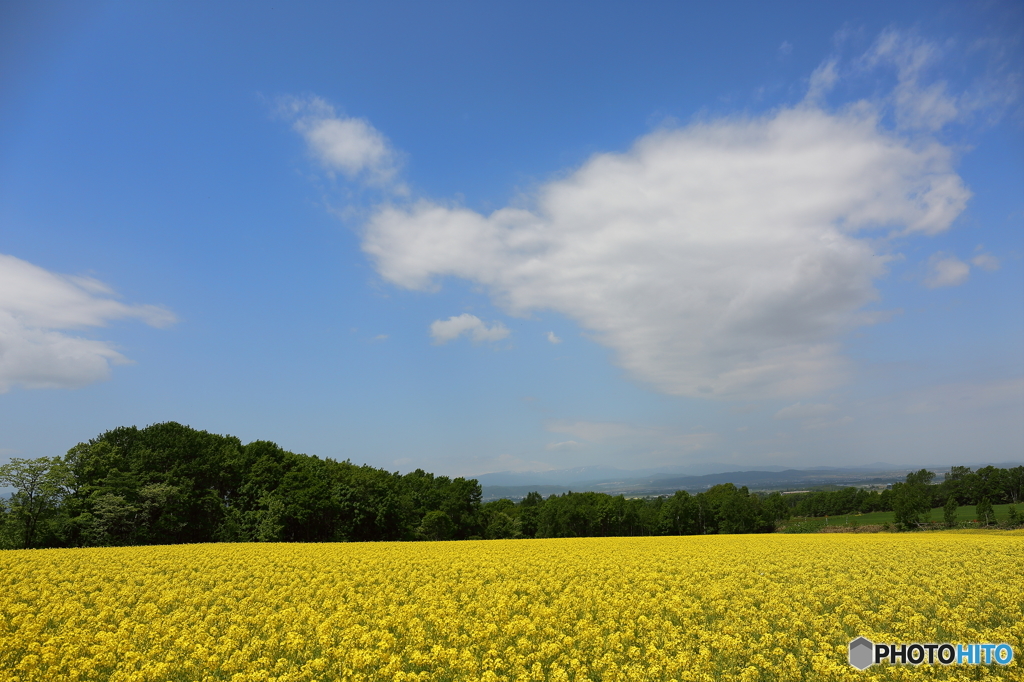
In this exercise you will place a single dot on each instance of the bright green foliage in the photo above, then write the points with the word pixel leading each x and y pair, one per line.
pixel 911 501
pixel 169 483
pixel 41 486
pixel 949 512
pixel 984 511
pixel 436 525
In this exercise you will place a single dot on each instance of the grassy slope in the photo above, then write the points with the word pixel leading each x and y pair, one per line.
pixel 878 518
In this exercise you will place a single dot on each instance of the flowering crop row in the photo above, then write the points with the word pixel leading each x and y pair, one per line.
pixel 776 607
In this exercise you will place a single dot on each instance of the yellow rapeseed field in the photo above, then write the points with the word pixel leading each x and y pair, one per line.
pixel 754 607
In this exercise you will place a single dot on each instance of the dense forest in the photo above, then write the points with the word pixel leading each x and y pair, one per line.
pixel 169 484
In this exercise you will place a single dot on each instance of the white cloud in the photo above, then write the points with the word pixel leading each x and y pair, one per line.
pixel 804 411
pixel 946 271
pixel 723 258
pixel 38 308
pixel 349 145
pixel 444 331
pixel 986 261
pixel 553 338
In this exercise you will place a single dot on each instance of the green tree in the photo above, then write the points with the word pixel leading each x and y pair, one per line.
pixel 40 485
pixel 503 526
pixel 677 514
pixel 949 512
pixel 529 513
pixel 436 525
pixel 984 511
pixel 113 520
pixel 911 500
pixel 500 520
pixel 738 513
pixel 1015 484
pixel 775 509
pixel 268 520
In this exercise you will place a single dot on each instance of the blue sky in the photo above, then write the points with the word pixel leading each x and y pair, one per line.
pixel 476 237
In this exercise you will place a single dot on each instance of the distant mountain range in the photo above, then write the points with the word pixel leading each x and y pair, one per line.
pixel 666 480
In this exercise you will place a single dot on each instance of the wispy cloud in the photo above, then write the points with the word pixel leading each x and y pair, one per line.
pixel 920 103
pixel 39 308
pixel 822 80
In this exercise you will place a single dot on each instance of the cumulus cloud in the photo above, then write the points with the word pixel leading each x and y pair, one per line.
pixel 443 331
pixel 349 145
pixel 723 258
pixel 553 338
pixel 38 309
pixel 946 271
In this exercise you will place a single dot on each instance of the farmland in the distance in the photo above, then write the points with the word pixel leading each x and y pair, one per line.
pixel 742 607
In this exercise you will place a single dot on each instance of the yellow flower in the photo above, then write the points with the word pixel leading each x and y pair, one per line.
pixel 759 607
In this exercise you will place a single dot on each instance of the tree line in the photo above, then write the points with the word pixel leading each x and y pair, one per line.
pixel 912 499
pixel 963 484
pixel 171 484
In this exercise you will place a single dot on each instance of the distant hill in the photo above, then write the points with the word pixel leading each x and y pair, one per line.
pixel 663 481
pixel 590 474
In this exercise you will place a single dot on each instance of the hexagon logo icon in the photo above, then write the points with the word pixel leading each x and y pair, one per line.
pixel 862 653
